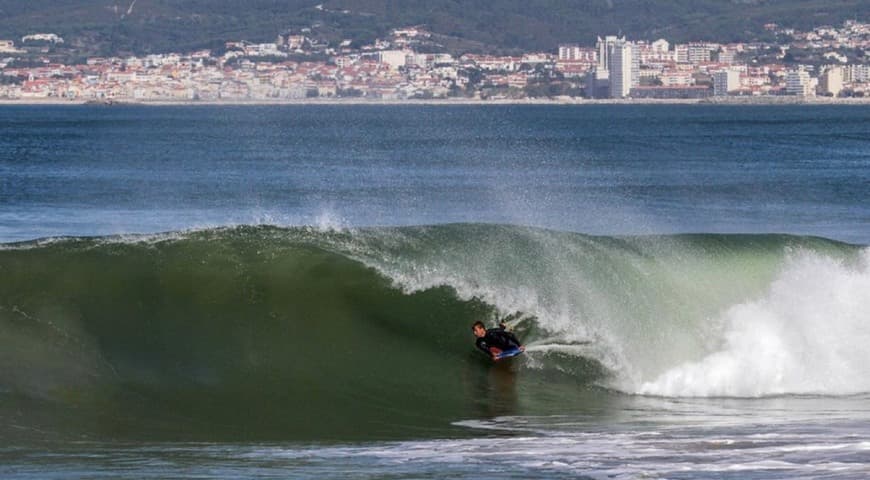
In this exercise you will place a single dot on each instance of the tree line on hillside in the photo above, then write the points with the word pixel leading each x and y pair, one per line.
pixel 117 28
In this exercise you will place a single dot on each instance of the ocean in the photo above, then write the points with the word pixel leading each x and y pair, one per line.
pixel 287 291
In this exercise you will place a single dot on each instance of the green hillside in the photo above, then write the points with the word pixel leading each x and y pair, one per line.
pixel 149 26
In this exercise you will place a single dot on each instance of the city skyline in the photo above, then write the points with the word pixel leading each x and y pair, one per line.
pixel 296 67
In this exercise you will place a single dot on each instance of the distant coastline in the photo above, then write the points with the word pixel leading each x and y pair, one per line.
pixel 763 100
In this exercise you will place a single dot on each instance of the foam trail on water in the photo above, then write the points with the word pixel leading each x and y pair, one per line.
pixel 807 335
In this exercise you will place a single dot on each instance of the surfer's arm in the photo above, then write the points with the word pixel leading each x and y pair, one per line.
pixel 515 339
pixel 481 344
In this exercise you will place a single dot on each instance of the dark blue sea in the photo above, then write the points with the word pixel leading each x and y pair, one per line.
pixel 287 291
pixel 592 169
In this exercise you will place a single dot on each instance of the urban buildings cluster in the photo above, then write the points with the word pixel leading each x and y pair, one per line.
pixel 295 66
pixel 618 68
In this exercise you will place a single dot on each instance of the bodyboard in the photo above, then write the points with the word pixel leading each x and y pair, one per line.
pixel 513 352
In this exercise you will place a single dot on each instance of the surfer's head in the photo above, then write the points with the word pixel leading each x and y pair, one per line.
pixel 478 329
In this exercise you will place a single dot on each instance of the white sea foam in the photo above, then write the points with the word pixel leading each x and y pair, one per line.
pixel 808 334
pixel 538 449
pixel 535 449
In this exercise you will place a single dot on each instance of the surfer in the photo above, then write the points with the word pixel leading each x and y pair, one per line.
pixel 494 341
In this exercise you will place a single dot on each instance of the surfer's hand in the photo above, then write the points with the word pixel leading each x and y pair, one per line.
pixel 522 348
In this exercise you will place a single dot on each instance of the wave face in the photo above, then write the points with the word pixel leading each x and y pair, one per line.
pixel 304 333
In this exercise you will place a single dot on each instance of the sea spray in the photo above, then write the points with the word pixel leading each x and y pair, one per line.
pixel 808 334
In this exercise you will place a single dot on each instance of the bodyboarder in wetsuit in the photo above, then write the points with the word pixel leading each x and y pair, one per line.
pixel 494 340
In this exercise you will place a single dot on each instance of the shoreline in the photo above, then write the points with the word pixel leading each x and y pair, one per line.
pixel 761 101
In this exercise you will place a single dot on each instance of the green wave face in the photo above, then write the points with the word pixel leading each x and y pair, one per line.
pixel 269 333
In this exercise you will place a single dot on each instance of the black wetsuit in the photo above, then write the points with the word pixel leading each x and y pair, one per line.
pixel 498 338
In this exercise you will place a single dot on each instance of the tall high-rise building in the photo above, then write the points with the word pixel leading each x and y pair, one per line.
pixel 598 81
pixel 604 46
pixel 618 68
pixel 635 64
pixel 622 69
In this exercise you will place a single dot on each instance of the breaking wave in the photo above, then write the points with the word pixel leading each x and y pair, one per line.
pixel 327 333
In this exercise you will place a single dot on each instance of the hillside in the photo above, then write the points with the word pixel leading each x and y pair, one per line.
pixel 150 26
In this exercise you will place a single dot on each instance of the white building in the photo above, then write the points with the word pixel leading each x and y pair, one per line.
pixel 677 78
pixel 655 53
pixel 618 65
pixel 8 46
pixel 681 52
pixel 727 55
pixel 576 53
pixel 536 58
pixel 831 82
pixel 621 69
pixel 697 53
pixel 443 59
pixel 421 60
pixel 263 50
pixel 798 82
pixel 394 58
pixel 856 73
pixel 566 52
pixel 725 81
pixel 660 46
pixel 293 42
pixel 837 57
pixel 42 37
pixel 604 46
